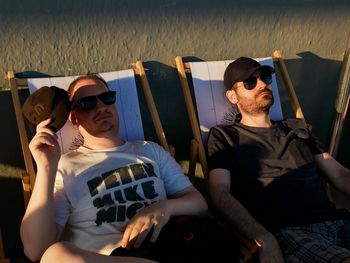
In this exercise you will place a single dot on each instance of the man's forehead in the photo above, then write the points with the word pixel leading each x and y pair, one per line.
pixel 88 83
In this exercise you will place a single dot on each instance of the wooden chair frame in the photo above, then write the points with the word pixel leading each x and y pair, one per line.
pixel 28 178
pixel 197 148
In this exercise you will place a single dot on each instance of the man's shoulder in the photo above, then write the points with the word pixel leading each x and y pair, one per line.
pixel 223 132
pixel 145 147
pixel 223 127
pixel 144 144
pixel 296 124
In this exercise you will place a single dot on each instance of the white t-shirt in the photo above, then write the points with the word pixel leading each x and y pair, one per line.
pixel 98 191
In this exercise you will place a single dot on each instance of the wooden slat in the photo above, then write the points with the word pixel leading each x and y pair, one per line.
pixel 20 83
pixel 341 103
pixel 13 82
pixel 192 115
pixel 26 188
pixel 139 70
pixel 193 159
pixel 277 55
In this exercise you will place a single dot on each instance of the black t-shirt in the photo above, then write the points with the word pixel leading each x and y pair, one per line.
pixel 273 172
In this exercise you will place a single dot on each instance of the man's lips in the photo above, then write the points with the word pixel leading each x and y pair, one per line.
pixel 102 117
pixel 264 93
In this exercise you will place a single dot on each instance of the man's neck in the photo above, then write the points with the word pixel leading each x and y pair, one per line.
pixel 262 120
pixel 98 143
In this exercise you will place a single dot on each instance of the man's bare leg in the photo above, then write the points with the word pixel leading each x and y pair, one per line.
pixel 66 252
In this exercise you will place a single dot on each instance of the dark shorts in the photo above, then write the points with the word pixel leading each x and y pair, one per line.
pixel 320 243
pixel 188 239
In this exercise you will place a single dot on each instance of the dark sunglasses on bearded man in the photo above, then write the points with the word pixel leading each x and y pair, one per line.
pixel 90 102
pixel 250 83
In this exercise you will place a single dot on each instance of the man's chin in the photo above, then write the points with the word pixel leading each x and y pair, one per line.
pixel 102 127
pixel 267 100
pixel 265 107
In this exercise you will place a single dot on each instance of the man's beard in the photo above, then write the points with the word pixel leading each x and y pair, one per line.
pixel 260 104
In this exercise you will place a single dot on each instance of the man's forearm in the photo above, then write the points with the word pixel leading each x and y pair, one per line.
pixel 238 216
pixel 189 203
pixel 335 173
pixel 38 228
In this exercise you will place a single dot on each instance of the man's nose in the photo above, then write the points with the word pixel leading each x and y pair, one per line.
pixel 99 104
pixel 260 83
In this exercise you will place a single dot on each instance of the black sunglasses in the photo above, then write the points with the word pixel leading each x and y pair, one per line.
pixel 250 83
pixel 90 102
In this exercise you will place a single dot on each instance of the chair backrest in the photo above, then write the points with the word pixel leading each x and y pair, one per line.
pixel 212 105
pixel 123 82
pixel 213 108
pixel 130 122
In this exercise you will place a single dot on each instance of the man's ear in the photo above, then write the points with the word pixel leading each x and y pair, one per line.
pixel 231 95
pixel 73 117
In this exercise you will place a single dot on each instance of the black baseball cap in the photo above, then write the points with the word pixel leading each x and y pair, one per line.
pixel 241 69
pixel 47 102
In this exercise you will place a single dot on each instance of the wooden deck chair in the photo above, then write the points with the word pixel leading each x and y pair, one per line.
pixel 130 122
pixel 212 107
pixel 128 109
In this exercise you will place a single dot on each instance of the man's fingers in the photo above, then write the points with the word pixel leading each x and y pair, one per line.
pixel 129 234
pixel 44 138
pixel 47 131
pixel 156 231
pixel 135 234
pixel 43 124
pixel 48 140
pixel 142 235
pixel 126 236
pixel 137 230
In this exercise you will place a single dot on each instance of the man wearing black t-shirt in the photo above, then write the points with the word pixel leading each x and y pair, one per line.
pixel 265 176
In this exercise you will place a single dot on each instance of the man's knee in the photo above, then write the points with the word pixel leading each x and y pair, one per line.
pixel 62 252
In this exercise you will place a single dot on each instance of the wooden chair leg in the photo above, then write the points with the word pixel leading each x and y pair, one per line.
pixel 26 188
pixel 2 251
pixel 193 160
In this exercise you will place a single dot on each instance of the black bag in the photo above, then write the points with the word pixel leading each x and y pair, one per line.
pixel 187 239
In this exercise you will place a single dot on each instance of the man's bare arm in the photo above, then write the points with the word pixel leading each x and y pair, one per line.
pixel 236 215
pixel 336 174
pixel 38 228
pixel 186 202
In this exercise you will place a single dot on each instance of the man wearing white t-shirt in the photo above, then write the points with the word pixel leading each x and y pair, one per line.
pixel 108 193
